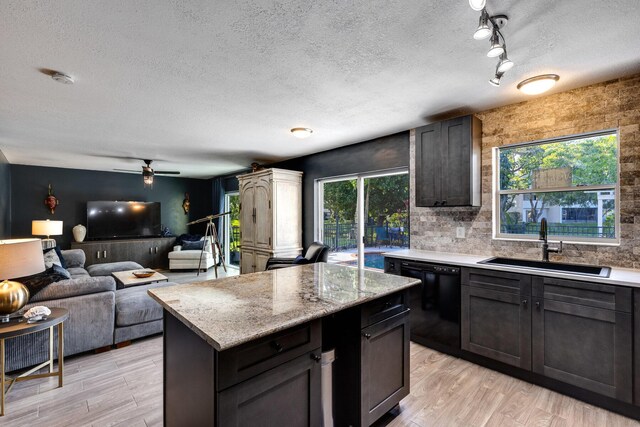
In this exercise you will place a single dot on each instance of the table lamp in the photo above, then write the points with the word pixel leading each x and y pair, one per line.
pixel 18 258
pixel 46 228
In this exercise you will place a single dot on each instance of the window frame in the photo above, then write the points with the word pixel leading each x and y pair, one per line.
pixel 497 192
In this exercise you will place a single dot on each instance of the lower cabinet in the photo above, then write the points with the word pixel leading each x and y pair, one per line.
pixel 496 317
pixel 575 332
pixel 252 261
pixel 150 253
pixel 636 345
pixel 288 395
pixel 584 344
pixel 384 369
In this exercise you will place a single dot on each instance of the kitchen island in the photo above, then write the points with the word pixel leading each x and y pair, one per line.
pixel 246 350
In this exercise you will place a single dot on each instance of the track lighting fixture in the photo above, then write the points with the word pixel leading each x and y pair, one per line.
pixel 483 31
pixel 490 26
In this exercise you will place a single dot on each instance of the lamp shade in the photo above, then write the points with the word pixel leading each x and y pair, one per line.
pixel 46 228
pixel 20 257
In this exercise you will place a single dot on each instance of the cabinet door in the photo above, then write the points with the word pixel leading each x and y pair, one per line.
pixel 588 347
pixel 247 210
pixel 455 157
pixel 262 206
pixel 247 261
pixel 261 260
pixel 288 395
pixel 427 165
pixel 497 325
pixel 384 371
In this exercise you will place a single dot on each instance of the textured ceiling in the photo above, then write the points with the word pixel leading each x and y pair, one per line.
pixel 208 87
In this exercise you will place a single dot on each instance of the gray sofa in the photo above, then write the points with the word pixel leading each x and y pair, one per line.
pixel 99 315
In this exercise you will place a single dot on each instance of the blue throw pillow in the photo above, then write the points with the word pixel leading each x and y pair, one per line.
pixel 190 246
pixel 50 257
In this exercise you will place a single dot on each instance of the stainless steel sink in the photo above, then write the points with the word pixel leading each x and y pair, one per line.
pixel 586 270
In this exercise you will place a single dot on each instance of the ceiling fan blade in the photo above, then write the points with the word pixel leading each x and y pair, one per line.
pixel 167 172
pixel 126 170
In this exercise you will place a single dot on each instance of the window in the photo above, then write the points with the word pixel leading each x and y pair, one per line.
pixel 380 202
pixel 572 182
pixel 232 228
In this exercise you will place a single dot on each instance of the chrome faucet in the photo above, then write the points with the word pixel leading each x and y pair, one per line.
pixel 545 246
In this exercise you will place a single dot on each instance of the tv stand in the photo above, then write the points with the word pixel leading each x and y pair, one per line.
pixel 151 252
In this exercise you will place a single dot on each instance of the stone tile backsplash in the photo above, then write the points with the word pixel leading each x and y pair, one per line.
pixel 613 104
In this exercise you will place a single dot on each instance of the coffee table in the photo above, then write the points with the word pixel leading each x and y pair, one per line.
pixel 18 327
pixel 126 279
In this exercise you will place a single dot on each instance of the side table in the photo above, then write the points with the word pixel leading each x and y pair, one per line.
pixel 18 327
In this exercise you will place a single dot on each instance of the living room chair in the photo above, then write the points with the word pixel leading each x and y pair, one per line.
pixel 316 252
pixel 182 258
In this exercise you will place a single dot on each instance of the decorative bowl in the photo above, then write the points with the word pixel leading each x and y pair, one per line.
pixel 141 274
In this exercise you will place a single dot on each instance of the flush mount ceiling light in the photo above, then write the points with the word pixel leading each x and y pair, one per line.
pixel 477 4
pixel 538 84
pixel 490 26
pixel 301 132
pixel 62 78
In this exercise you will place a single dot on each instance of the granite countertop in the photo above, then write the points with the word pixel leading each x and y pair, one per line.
pixel 233 310
pixel 618 276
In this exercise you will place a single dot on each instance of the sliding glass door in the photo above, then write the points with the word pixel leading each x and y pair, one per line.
pixel 361 216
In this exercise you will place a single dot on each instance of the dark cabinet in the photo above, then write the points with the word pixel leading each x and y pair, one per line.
pixel 447 163
pixel 288 395
pixel 636 345
pixel 150 253
pixel 496 317
pixel 582 335
pixel 384 369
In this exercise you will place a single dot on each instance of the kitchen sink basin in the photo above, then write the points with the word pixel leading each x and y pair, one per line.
pixel 587 270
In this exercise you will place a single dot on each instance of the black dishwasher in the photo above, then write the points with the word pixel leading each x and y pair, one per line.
pixel 435 303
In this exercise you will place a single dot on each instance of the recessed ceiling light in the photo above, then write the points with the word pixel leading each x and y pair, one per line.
pixel 538 84
pixel 477 4
pixel 62 78
pixel 301 132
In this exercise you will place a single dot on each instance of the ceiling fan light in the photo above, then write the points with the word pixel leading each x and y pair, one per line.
pixel 483 31
pixel 505 63
pixel 301 132
pixel 538 84
pixel 477 4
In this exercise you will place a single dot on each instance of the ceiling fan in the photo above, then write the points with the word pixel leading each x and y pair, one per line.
pixel 148 172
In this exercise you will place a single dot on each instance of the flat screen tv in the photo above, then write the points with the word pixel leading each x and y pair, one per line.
pixel 111 220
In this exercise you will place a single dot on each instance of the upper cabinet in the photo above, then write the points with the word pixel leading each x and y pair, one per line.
pixel 447 163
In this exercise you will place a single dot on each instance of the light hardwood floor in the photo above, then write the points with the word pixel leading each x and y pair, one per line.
pixel 124 387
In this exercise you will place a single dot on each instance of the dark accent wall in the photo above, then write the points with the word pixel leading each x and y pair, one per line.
pixel 74 187
pixel 387 152
pixel 5 197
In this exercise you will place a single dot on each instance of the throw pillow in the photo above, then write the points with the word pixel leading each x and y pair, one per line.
pixel 38 282
pixel 190 246
pixel 300 260
pixel 51 258
pixel 63 264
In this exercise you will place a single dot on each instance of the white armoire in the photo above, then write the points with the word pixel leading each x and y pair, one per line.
pixel 270 217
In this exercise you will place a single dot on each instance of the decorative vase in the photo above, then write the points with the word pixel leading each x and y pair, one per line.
pixel 79 232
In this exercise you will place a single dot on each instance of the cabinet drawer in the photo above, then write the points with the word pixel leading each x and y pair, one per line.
pixel 383 308
pixel 497 281
pixel 596 295
pixel 248 360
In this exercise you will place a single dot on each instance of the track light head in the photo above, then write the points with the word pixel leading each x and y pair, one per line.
pixel 495 81
pixel 477 4
pixel 505 63
pixel 496 48
pixel 483 31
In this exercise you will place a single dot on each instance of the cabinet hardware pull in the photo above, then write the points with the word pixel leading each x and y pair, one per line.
pixel 98 254
pixel 156 249
pixel 316 357
pixel 538 305
pixel 524 302
pixel 104 254
pixel 277 346
pixel 150 250
pixel 367 336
